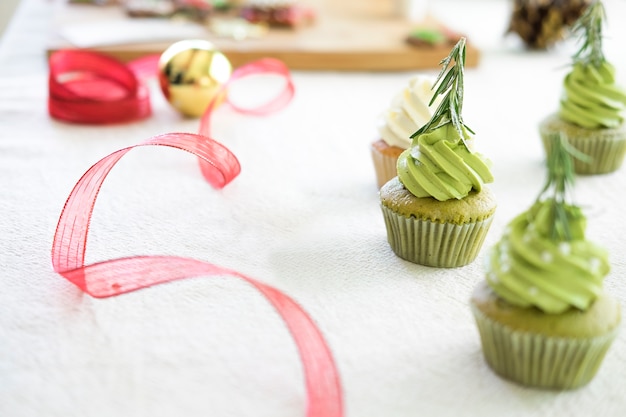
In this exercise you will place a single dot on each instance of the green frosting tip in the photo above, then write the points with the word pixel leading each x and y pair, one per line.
pixel 591 97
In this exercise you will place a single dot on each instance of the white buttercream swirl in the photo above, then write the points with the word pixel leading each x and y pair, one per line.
pixel 408 112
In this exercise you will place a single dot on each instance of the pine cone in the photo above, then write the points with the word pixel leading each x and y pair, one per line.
pixel 542 23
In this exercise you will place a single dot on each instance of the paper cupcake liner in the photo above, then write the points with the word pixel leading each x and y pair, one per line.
pixel 606 149
pixel 540 361
pixel 442 245
pixel 384 166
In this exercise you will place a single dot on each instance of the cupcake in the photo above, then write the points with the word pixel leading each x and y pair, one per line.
pixel 409 110
pixel 591 112
pixel 437 211
pixel 543 317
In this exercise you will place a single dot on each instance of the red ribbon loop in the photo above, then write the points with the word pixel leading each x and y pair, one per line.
pixel 88 87
pixel 219 166
pixel 266 66
pixel 260 67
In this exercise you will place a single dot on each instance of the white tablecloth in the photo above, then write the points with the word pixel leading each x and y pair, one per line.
pixel 304 217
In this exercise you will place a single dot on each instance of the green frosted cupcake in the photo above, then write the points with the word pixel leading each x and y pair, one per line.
pixel 436 233
pixel 543 317
pixel 591 112
pixel 437 211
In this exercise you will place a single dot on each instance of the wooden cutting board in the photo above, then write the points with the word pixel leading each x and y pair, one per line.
pixel 348 35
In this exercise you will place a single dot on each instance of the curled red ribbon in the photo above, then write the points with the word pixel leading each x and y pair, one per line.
pixel 87 87
pixel 219 166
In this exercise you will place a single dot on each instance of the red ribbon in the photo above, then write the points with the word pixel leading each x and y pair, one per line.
pixel 86 87
pixel 219 166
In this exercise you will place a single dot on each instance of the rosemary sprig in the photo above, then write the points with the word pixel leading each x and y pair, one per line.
pixel 588 28
pixel 449 84
pixel 560 180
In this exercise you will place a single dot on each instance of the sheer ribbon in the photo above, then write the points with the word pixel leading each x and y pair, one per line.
pixel 92 95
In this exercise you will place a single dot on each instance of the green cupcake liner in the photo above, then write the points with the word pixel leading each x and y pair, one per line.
pixel 441 245
pixel 540 361
pixel 605 147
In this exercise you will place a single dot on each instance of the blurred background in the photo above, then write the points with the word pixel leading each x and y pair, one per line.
pixel 7 7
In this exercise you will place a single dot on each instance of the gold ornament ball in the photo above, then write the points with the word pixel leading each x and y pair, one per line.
pixel 191 73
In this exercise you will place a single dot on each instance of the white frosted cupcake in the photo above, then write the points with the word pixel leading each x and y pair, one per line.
pixel 409 110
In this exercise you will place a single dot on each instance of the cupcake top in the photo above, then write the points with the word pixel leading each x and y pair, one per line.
pixel 543 259
pixel 440 162
pixel 409 110
pixel 591 98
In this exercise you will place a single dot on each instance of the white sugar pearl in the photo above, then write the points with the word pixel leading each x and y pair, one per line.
pixel 595 264
pixel 546 257
pixel 565 248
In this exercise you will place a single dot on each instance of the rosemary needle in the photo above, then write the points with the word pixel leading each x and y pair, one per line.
pixel 449 84
pixel 589 30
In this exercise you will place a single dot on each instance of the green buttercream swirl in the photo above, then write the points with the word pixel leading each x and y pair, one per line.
pixel 528 267
pixel 439 165
pixel 591 98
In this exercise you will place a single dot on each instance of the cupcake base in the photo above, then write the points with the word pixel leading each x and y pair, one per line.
pixel 549 351
pixel 385 158
pixel 443 234
pixel 605 147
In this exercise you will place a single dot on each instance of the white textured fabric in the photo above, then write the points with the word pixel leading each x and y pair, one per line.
pixel 304 217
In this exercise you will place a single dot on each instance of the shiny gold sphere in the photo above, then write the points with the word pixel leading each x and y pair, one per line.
pixel 191 73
